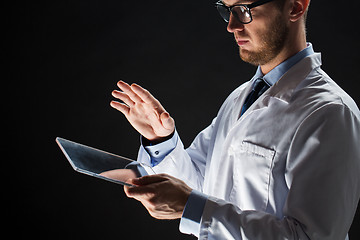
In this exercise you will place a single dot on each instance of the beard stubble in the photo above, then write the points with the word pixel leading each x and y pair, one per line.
pixel 272 42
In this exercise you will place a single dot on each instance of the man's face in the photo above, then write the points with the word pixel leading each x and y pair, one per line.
pixel 263 39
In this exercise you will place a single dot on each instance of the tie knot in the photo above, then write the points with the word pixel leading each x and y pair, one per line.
pixel 258 84
pixel 258 88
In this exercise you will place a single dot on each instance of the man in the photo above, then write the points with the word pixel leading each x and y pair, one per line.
pixel 281 160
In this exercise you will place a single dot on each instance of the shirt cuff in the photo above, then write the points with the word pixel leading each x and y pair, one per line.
pixel 159 151
pixel 138 168
pixel 193 211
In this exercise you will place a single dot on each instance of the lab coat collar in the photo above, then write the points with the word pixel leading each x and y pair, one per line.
pixel 285 86
pixel 275 74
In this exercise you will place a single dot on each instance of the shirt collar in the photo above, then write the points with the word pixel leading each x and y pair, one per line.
pixel 275 74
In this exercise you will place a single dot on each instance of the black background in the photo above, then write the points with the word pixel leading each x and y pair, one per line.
pixel 63 59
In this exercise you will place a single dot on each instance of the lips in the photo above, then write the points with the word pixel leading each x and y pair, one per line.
pixel 242 42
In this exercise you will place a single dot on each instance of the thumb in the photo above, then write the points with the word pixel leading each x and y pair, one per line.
pixel 167 121
pixel 149 179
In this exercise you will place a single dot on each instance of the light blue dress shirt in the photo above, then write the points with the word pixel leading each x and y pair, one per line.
pixel 195 205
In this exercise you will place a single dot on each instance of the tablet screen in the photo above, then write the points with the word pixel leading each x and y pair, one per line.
pixel 92 161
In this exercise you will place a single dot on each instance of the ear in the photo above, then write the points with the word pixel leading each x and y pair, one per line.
pixel 298 9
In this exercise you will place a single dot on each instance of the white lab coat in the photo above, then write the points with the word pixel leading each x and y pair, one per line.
pixel 289 168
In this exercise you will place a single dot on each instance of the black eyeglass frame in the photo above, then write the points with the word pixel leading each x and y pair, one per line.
pixel 247 6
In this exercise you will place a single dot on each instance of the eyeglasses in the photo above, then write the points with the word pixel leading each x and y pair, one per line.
pixel 240 11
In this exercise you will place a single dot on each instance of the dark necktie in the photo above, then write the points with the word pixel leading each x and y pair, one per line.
pixel 259 88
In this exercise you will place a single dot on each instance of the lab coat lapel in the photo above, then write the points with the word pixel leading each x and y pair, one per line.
pixel 239 101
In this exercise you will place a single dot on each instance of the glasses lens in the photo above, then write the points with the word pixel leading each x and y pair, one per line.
pixel 224 12
pixel 242 13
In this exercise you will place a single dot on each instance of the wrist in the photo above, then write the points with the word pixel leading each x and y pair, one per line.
pixel 147 142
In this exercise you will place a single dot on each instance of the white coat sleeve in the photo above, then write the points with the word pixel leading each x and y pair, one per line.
pixel 322 174
pixel 185 164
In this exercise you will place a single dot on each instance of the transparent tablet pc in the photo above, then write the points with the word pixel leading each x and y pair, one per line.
pixel 92 161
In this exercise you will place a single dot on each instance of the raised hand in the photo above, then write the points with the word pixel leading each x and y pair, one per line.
pixel 143 111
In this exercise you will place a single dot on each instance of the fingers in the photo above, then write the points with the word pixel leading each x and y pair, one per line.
pixel 128 97
pixel 146 96
pixel 149 179
pixel 135 94
pixel 119 174
pixel 139 192
pixel 123 97
pixel 144 185
pixel 162 195
pixel 120 107
pixel 128 91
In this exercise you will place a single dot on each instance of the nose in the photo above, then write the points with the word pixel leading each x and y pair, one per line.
pixel 234 24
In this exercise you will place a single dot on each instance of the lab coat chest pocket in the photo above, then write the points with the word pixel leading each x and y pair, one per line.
pixel 253 165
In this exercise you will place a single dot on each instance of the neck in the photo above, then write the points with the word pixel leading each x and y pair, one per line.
pixel 295 43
